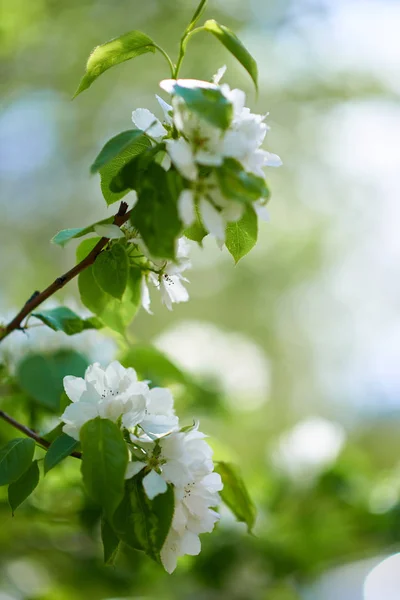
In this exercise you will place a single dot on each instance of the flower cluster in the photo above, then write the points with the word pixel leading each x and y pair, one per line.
pixel 195 147
pixel 163 452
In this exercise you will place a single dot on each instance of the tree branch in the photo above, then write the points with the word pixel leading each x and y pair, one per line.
pixel 30 433
pixel 38 297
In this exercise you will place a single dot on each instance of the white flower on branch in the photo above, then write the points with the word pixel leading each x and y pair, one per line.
pixel 168 278
pixel 115 393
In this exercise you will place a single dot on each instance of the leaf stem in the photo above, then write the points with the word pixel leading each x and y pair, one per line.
pixel 182 49
pixel 38 297
pixel 30 433
pixel 168 59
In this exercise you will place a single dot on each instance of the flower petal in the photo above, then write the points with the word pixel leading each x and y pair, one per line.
pixel 182 156
pixel 145 295
pixel 146 121
pixel 212 219
pixel 133 469
pixel 166 108
pixel 186 208
pixel 154 484
pixel 109 231
pixel 74 387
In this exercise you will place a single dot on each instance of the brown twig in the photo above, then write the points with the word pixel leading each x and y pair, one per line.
pixel 38 297
pixel 30 433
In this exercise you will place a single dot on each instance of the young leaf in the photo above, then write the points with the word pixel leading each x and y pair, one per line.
pixel 23 487
pixel 104 462
pixel 111 269
pixel 241 235
pixel 235 47
pixel 85 248
pixel 114 166
pixel 196 231
pixel 116 314
pixel 41 376
pixel 199 11
pixel 66 235
pixel 141 523
pixel 155 215
pixel 15 459
pixel 64 319
pixel 110 542
pixel 237 184
pixel 113 53
pixel 209 102
pixel 235 494
pixel 59 449
pixel 115 146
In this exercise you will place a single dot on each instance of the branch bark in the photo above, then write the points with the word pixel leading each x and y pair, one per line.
pixel 30 433
pixel 38 297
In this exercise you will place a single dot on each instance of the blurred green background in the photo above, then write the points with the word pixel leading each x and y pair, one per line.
pixel 294 353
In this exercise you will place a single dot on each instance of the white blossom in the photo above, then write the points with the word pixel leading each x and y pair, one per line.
pixel 169 278
pixel 110 231
pixel 115 393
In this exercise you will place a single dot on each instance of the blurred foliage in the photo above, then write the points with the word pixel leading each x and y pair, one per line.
pixel 50 550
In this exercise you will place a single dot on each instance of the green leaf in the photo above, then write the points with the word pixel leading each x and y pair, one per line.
pixel 152 364
pixel 209 103
pixel 112 168
pixel 115 146
pixel 196 231
pixel 116 314
pixel 41 375
pixel 59 449
pixel 15 459
pixel 133 172
pixel 110 542
pixel 237 184
pixel 241 235
pixel 155 215
pixel 235 494
pixel 23 487
pixel 104 462
pixel 141 523
pixel 111 269
pixel 235 47
pixel 66 235
pixel 199 11
pixel 64 319
pixel 85 248
pixel 113 53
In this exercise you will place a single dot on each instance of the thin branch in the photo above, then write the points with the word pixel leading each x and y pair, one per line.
pixel 38 297
pixel 30 433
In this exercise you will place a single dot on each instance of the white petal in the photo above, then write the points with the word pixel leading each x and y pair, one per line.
pixel 186 207
pixel 154 484
pixel 74 387
pixel 160 401
pixel 233 212
pixel 190 544
pixel 110 231
pixel 272 160
pixel 166 108
pixel 168 85
pixel 219 74
pixel 212 219
pixel 182 156
pixel 166 162
pixel 209 159
pixel 145 295
pixel 261 211
pixel 146 121
pixel 134 468
pixel 170 551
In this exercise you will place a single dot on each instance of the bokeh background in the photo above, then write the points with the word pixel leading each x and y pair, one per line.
pixel 294 353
